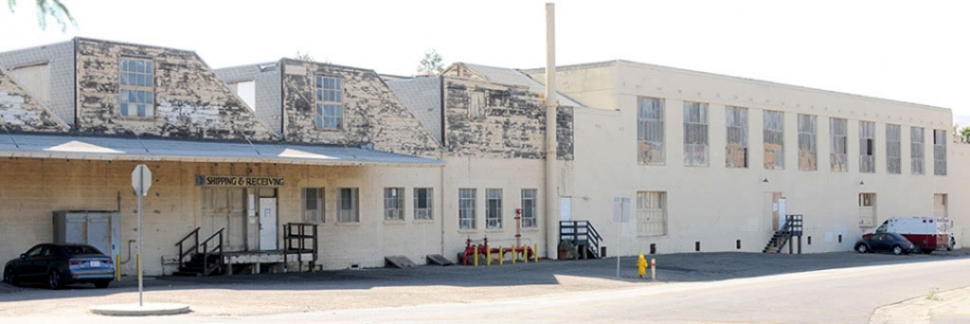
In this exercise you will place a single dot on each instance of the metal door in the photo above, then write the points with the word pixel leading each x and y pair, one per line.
pixel 775 210
pixel 99 232
pixel 267 224
pixel 565 209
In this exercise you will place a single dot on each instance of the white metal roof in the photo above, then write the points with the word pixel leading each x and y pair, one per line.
pixel 135 149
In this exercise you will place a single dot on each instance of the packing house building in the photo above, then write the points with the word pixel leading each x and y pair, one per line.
pixel 343 168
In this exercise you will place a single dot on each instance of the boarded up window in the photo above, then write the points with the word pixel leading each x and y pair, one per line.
pixel 838 156
pixel 651 213
pixel 695 134
pixel 650 130
pixel 807 156
pixel 917 154
pixel 867 209
pixel 736 152
pixel 893 149
pixel 867 147
pixel 939 152
pixel 36 79
pixel 774 140
pixel 476 105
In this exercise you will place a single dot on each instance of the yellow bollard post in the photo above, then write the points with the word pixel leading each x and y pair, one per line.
pixel 501 255
pixel 138 265
pixel 525 254
pixel 515 255
pixel 653 268
pixel 118 267
pixel 476 256
pixel 488 258
pixel 535 253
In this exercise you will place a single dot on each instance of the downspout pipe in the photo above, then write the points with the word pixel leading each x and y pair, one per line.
pixel 551 185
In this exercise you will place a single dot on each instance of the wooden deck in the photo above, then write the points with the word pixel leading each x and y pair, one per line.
pixel 273 257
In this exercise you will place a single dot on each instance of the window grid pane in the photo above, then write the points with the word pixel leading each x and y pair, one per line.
pixel 939 152
pixel 917 154
pixel 313 203
pixel 650 130
pixel 774 140
pixel 838 157
pixel 736 152
pixel 867 147
pixel 807 158
pixel 136 88
pixel 893 149
pixel 529 208
pixel 329 94
pixel 347 206
pixel 394 204
pixel 466 209
pixel 493 205
pixel 695 134
pixel 423 209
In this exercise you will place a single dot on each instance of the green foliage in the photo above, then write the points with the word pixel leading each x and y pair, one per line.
pixel 53 8
pixel 431 63
pixel 965 134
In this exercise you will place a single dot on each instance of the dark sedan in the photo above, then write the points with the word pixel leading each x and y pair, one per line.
pixel 885 242
pixel 60 264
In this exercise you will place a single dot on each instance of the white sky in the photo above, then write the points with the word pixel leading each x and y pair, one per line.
pixel 912 51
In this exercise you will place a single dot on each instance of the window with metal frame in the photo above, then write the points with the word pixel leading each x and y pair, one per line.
pixel 807 152
pixel 867 147
pixel 774 140
pixel 530 214
pixel 347 207
pixel 695 134
pixel 838 146
pixel 423 207
pixel 137 88
pixel 330 108
pixel 917 154
pixel 650 130
pixel 736 152
pixel 313 202
pixel 939 152
pixel 466 209
pixel 394 204
pixel 894 149
pixel 493 208
pixel 651 213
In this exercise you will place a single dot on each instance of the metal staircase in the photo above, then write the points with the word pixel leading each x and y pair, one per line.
pixel 581 234
pixel 200 259
pixel 785 236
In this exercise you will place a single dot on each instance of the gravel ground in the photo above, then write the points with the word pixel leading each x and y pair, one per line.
pixel 244 295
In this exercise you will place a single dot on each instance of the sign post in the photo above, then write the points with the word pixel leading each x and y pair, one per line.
pixel 141 180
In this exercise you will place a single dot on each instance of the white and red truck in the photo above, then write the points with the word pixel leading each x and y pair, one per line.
pixel 926 233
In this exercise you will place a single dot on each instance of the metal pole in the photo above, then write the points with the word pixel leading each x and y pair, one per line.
pixel 141 189
pixel 619 228
pixel 552 191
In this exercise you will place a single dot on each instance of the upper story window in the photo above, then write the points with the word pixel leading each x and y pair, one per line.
pixel 867 147
pixel 939 152
pixel 695 134
pixel 807 153
pixel 774 140
pixel 137 88
pixel 650 130
pixel 893 149
pixel 917 155
pixel 838 146
pixel 736 152
pixel 330 99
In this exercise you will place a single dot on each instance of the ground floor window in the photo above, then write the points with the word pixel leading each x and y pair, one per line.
pixel 466 209
pixel 313 205
pixel 422 204
pixel 529 208
pixel 493 212
pixel 394 204
pixel 347 211
pixel 651 213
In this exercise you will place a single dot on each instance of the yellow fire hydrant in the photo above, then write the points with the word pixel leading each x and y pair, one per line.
pixel 642 266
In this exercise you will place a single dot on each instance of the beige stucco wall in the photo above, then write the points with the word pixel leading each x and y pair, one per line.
pixel 716 205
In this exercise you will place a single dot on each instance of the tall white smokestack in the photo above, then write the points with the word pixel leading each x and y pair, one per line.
pixel 552 102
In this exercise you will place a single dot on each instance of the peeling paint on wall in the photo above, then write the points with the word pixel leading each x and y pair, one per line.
pixel 191 102
pixel 372 114
pixel 19 112
pixel 484 119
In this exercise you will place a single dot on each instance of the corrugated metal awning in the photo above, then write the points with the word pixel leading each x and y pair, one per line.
pixel 135 149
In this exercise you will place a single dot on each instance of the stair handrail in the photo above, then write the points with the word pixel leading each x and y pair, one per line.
pixel 195 247
pixel 206 251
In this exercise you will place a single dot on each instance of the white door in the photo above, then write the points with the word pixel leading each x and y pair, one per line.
pixel 782 211
pixel 99 232
pixel 565 209
pixel 267 224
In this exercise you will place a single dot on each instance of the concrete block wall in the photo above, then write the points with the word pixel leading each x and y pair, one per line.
pixel 371 111
pixel 191 102
pixel 60 60
pixel 19 112
pixel 512 124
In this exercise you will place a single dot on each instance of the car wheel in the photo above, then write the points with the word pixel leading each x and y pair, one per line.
pixel 917 248
pixel 9 277
pixel 54 280
pixel 952 244
pixel 861 248
pixel 101 284
pixel 897 250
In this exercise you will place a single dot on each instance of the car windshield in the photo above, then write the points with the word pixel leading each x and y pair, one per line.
pixel 80 249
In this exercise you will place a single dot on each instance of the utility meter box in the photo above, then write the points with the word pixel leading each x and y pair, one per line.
pixel 100 229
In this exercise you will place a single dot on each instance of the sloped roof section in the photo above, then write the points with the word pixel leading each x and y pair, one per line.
pixel 128 149
pixel 422 96
pixel 515 77
pixel 20 112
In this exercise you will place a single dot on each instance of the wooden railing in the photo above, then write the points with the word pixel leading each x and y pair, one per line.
pixel 194 248
pixel 213 250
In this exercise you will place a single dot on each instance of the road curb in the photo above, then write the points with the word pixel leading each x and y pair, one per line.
pixel 151 309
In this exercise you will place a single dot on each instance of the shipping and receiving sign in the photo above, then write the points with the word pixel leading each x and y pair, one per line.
pixel 236 181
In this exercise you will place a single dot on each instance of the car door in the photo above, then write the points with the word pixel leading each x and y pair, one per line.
pixel 26 268
pixel 45 260
pixel 878 242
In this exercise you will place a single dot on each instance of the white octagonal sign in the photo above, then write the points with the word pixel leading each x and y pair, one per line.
pixel 141 179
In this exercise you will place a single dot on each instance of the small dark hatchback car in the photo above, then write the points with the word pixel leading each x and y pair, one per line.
pixel 885 242
pixel 60 264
